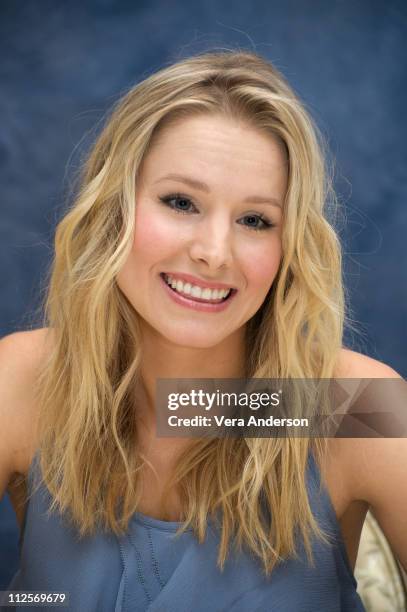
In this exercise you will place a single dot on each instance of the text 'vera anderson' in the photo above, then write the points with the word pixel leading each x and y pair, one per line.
pixel 222 421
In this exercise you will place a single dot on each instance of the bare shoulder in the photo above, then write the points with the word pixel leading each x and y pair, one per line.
pixel 352 364
pixel 345 452
pixel 21 355
pixel 354 455
pixel 372 469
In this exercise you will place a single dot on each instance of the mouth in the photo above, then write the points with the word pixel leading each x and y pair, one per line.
pixel 195 298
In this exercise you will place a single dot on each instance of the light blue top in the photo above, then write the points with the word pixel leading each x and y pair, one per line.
pixel 148 570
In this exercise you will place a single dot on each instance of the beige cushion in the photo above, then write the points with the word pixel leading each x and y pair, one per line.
pixel 381 581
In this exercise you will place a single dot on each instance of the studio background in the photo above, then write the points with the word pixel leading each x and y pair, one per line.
pixel 63 64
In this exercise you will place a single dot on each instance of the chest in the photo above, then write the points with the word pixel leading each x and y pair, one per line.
pixel 350 513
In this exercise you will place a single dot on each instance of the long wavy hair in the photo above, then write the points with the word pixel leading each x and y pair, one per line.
pixel 90 458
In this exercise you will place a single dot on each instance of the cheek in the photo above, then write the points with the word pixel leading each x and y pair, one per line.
pixel 153 236
pixel 149 246
pixel 261 266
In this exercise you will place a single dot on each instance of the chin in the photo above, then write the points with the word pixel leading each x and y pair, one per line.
pixel 187 334
pixel 194 340
pixel 189 337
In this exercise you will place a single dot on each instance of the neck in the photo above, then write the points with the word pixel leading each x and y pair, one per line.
pixel 162 359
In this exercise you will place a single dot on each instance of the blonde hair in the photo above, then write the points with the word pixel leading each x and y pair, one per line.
pixel 89 455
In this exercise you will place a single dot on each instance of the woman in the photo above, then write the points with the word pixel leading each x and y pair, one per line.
pixel 199 246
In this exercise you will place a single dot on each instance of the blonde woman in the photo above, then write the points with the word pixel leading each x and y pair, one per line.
pixel 199 246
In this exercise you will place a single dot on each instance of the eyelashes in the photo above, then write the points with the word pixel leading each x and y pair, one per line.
pixel 178 197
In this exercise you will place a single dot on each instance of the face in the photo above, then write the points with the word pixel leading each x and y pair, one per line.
pixel 208 205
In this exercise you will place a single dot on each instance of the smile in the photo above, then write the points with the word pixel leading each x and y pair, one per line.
pixel 195 297
pixel 195 291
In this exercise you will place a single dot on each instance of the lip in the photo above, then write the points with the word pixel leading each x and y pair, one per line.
pixel 200 282
pixel 192 304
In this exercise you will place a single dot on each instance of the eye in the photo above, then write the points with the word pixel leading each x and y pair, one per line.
pixel 265 223
pixel 181 204
pixel 183 201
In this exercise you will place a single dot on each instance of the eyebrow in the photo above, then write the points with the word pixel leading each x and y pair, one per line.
pixel 194 183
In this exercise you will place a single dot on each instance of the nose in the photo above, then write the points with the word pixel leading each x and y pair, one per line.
pixel 212 244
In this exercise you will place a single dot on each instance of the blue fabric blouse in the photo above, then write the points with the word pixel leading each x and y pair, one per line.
pixel 149 570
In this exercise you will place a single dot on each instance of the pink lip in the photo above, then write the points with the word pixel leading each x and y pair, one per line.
pixel 198 281
pixel 194 305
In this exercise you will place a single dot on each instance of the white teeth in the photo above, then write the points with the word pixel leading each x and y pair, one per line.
pixel 195 291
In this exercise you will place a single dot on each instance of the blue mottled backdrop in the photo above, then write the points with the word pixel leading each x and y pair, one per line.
pixel 64 63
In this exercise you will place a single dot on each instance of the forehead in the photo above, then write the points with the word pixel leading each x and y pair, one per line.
pixel 217 146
